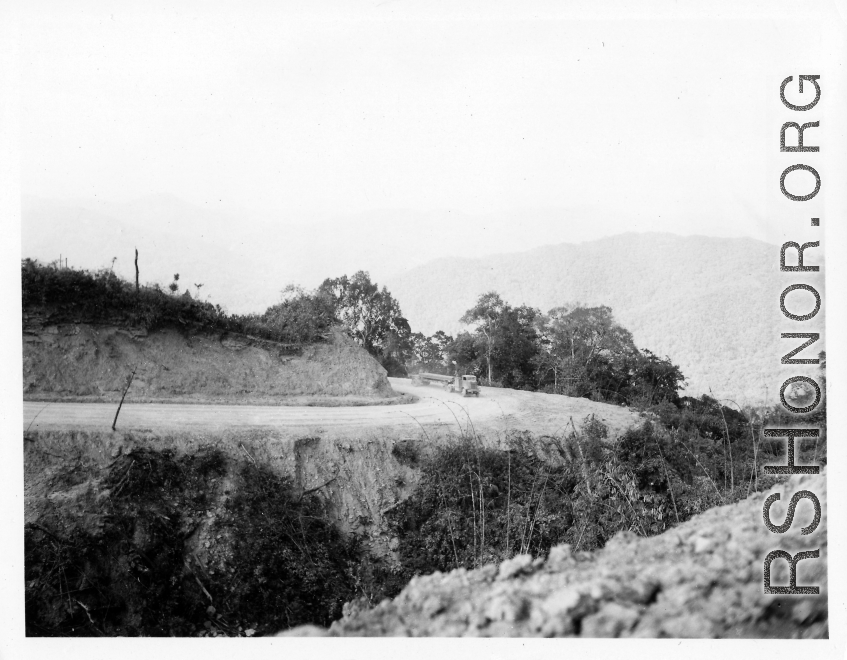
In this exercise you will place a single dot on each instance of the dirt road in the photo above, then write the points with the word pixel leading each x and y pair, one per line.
pixel 495 409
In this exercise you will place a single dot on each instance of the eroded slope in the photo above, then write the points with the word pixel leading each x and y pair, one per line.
pixel 78 361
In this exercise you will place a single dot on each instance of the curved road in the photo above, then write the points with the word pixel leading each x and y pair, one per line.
pixel 494 408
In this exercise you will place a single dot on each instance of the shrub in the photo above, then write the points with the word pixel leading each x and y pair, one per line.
pixel 303 317
pixel 289 566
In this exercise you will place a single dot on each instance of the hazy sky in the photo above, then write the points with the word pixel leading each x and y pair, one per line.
pixel 660 124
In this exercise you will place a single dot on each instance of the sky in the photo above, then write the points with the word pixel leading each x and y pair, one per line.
pixel 295 113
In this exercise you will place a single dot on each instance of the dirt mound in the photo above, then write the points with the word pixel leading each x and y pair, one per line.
pixel 700 579
pixel 92 362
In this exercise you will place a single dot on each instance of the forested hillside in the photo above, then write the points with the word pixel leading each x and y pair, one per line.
pixel 710 304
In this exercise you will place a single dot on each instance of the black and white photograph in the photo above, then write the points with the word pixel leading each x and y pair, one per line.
pixel 406 320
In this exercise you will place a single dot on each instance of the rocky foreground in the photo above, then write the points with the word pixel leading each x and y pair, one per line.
pixel 700 579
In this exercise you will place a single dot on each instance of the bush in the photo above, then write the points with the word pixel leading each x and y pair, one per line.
pixel 290 566
pixel 303 318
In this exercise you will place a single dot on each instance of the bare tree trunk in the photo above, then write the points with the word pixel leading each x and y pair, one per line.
pixel 488 350
pixel 123 396
pixel 489 363
pixel 136 271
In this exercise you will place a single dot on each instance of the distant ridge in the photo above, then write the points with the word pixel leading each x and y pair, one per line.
pixel 710 304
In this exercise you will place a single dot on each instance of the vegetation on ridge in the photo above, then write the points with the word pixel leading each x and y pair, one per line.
pixel 103 297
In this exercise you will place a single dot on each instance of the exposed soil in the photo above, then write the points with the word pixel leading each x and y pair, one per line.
pixel 78 361
pixel 700 579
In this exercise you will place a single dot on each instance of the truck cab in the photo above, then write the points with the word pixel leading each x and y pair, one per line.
pixel 467 385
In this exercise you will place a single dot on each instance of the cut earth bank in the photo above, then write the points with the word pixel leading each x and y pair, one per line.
pixel 87 362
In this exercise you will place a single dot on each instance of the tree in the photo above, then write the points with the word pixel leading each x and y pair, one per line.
pixel 395 352
pixel 585 349
pixel 657 379
pixel 424 350
pixel 371 315
pixel 442 341
pixel 486 316
pixel 589 354
pixel 506 337
pixel 465 352
pixel 431 353
pixel 515 346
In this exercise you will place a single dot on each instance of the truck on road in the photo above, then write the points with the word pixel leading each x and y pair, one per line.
pixel 467 384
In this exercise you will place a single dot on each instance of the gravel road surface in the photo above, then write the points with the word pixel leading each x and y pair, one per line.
pixel 495 409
